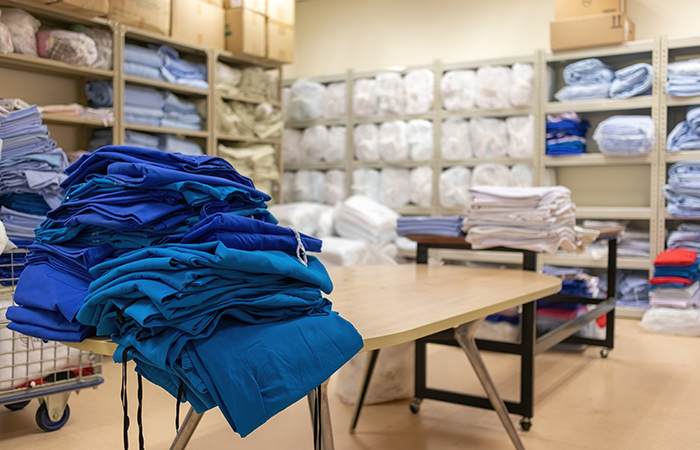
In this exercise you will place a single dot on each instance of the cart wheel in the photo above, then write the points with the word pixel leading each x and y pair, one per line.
pixel 415 405
pixel 525 423
pixel 17 406
pixel 604 353
pixel 45 423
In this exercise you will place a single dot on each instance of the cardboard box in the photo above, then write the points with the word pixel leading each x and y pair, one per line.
pixel 258 6
pixel 567 9
pixel 280 41
pixel 245 32
pixel 83 7
pixel 217 3
pixel 198 22
pixel 591 31
pixel 150 15
pixel 281 11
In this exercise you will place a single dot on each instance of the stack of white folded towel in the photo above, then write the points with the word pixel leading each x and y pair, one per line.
pixel 364 219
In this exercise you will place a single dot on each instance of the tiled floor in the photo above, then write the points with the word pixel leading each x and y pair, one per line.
pixel 645 396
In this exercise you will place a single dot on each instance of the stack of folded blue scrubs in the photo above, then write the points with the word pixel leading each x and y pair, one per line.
pixel 450 226
pixel 589 79
pixel 163 64
pixel 178 260
pixel 686 135
pixel 566 134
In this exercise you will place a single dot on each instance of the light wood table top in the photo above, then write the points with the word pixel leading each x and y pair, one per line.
pixel 390 305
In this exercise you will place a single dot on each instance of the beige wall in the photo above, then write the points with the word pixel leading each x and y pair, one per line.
pixel 335 35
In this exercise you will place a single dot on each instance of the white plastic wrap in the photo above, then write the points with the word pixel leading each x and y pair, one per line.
pixel 393 141
pixel 550 177
pixel 454 187
pixel 682 322
pixel 418 85
pixel 521 136
pixel 288 180
pixel 309 186
pixel 23 27
pixel 489 138
pixel 303 216
pixel 493 87
pixel 521 175
pixel 364 98
pixel 458 88
pixel 368 183
pixel 104 42
pixel 420 140
pixel 521 87
pixel 491 174
pixel 336 145
pixel 334 101
pixel 342 252
pixel 625 135
pixel 314 143
pixel 335 186
pixel 306 100
pixel 291 146
pixel 455 143
pixel 366 140
pixel 396 184
pixel 391 96
pixel 422 186
pixel 326 226
pixel 6 45
pixel 286 100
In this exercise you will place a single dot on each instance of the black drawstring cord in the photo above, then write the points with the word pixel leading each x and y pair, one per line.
pixel 120 312
pixel 125 404
pixel 180 391
pixel 139 413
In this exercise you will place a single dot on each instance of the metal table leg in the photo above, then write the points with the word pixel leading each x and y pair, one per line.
pixel 464 334
pixel 186 430
pixel 363 391
pixel 321 418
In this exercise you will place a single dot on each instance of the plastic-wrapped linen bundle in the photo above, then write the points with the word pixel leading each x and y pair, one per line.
pixel 422 186
pixel 521 87
pixel 625 135
pixel 103 41
pixel 6 45
pixel 395 187
pixel 335 186
pixel 393 142
pixel 458 88
pixel 455 143
pixel 521 175
pixel 491 174
pixel 309 186
pixel 391 96
pixel 291 146
pixel 336 145
pixel 368 183
pixel 334 101
pixel 684 78
pixel 364 98
pixel 454 187
pixel 314 143
pixel 633 80
pixel 521 136
pixel 340 252
pixel 550 177
pixel 286 99
pixel 493 87
pixel 589 79
pixel 23 27
pixel 418 85
pixel 420 140
pixel 366 139
pixel 489 137
pixel 304 217
pixel 306 100
pixel 288 180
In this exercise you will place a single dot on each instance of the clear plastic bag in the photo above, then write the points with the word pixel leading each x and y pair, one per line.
pixel 454 187
pixel 422 186
pixel 366 140
pixel 23 28
pixel 682 322
pixel 491 174
pixel 335 186
pixel 521 175
pixel 310 186
pixel 455 143
pixel 458 88
pixel 393 141
pixel 391 96
pixel 489 138
pixel 521 86
pixel 314 143
pixel 521 136
pixel 625 135
pixel 420 140
pixel 364 98
pixel 291 146
pixel 395 187
pixel 493 87
pixel 367 182
pixel 306 100
pixel 5 40
pixel 418 85
pixel 336 145
pixel 334 101
pixel 103 40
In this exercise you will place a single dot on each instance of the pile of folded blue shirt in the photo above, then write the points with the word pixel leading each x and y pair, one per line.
pixel 566 134
pixel 591 79
pixel 178 260
pixel 686 135
pixel 450 226
pixel 683 189
pixel 163 64
pixel 684 78
pixel 687 236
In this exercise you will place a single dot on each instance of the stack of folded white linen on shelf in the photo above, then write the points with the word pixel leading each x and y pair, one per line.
pixel 367 183
pixel 420 140
pixel 458 88
pixel 589 79
pixel 491 174
pixel 306 100
pixel 334 101
pixel 335 152
pixel 418 85
pixel 686 135
pixel 489 138
pixel 687 237
pixel 538 219
pixel 309 186
pixel 364 219
pixel 364 98
pixel 625 135
pixel 314 143
pixel 256 162
pixel 521 87
pixel 521 136
pixel 454 187
pixel 291 146
pixel 683 189
pixel 335 186
pixel 227 79
pixel 393 141
pixel 304 217
pixel 104 115
pixel 246 119
pixel 395 187
pixel 684 78
pixel 455 143
pixel 493 87
pixel 521 175
pixel 450 226
pixel 260 84
pixel 366 140
pixel 421 186
pixel 634 244
pixel 390 94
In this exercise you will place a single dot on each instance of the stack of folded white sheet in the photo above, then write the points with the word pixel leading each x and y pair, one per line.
pixel 537 218
pixel 304 217
pixel 363 219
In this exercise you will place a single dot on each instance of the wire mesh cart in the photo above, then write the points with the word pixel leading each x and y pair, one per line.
pixel 34 369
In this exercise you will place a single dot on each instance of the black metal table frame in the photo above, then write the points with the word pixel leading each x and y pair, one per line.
pixel 529 346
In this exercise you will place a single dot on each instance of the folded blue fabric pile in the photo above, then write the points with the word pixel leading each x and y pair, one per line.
pixel 163 64
pixel 566 134
pixel 632 81
pixel 440 226
pixel 178 260
pixel 179 113
pixel 625 135
pixel 142 62
pixel 687 237
pixel 685 135
pixel 684 78
pixel 683 189
pixel 100 138
pixel 574 282
pixel 591 79
pixel 143 105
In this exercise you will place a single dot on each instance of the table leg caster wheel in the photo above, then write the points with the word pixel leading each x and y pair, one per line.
pixel 16 406
pixel 526 423
pixel 604 353
pixel 415 405
pixel 45 422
